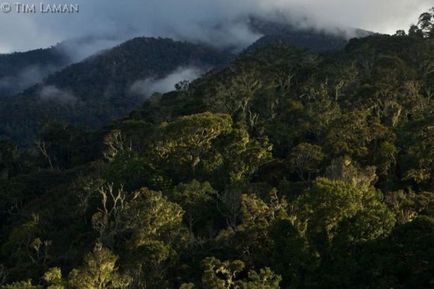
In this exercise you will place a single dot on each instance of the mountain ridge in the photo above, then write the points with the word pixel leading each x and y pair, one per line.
pixel 110 83
pixel 96 90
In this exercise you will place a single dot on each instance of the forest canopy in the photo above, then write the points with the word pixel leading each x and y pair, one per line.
pixel 285 169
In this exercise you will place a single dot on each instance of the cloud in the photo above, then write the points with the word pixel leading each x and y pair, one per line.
pixel 52 93
pixel 213 21
pixel 25 78
pixel 78 49
pixel 145 88
pixel 384 16
pixel 69 52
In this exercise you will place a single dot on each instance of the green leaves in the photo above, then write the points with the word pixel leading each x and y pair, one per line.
pixel 99 271
pixel 418 159
pixel 187 140
pixel 243 155
pixel 199 202
pixel 329 205
pixel 305 159
pixel 149 215
pixel 53 278
pixel 227 275
pixel 21 285
pixel 193 133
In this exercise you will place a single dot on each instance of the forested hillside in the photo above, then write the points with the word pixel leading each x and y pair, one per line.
pixel 97 90
pixel 111 83
pixel 286 169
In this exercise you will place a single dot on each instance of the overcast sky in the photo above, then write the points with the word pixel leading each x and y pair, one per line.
pixel 194 19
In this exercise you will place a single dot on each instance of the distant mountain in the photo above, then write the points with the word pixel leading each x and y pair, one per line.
pixel 105 86
pixel 19 70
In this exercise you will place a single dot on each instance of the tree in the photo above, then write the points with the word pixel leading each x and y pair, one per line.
pixel 107 220
pixel 352 132
pixel 305 160
pixel 372 223
pixel 400 33
pixel 417 160
pixel 53 278
pixel 346 170
pixel 186 140
pixel 414 31
pixel 330 206
pixel 99 271
pixel 26 247
pixel 149 215
pixel 242 155
pixel 198 201
pixel 426 23
pixel 407 206
pixel 250 237
pixel 21 285
pixel 228 275
pixel 63 146
pixel 154 234
pixel 115 144
pixel 236 95
pixel 291 254
pixel 386 158
pixel 265 279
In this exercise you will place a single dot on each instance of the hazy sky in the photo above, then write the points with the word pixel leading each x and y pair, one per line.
pixel 194 19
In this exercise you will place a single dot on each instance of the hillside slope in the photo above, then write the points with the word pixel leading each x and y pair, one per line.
pixel 286 168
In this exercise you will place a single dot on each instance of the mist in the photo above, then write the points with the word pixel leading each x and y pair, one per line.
pixel 51 93
pixel 147 87
pixel 78 49
pixel 217 22
pixel 26 77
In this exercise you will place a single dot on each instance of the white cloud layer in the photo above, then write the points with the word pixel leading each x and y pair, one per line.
pixel 196 19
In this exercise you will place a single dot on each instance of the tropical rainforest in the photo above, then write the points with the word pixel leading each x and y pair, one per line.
pixel 286 168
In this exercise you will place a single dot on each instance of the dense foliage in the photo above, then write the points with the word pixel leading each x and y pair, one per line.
pixel 287 169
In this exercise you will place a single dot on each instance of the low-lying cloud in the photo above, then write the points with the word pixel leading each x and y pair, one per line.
pixel 212 21
pixel 147 87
